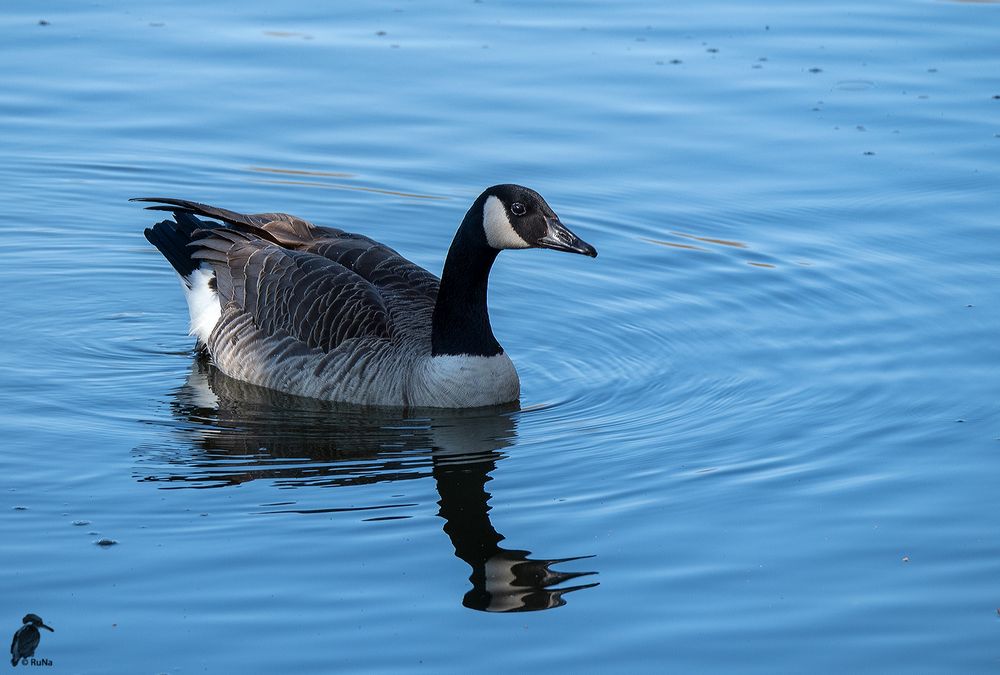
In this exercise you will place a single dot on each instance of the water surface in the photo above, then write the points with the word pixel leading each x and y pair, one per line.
pixel 759 432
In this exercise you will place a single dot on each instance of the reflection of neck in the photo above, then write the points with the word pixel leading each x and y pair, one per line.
pixel 503 580
pixel 465 508
pixel 461 323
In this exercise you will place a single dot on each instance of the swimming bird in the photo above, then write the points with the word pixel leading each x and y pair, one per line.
pixel 26 638
pixel 324 313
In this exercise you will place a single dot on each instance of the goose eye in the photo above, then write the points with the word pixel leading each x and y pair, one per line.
pixel 517 208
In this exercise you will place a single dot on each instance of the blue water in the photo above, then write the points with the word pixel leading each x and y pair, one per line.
pixel 768 413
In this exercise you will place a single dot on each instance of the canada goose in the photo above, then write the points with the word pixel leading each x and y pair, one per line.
pixel 323 313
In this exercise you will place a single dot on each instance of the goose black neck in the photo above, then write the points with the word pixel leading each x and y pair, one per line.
pixel 461 320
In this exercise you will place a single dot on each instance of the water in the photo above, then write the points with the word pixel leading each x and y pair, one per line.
pixel 762 426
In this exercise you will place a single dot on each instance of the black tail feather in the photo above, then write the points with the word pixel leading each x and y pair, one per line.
pixel 171 238
pixel 187 206
pixel 181 208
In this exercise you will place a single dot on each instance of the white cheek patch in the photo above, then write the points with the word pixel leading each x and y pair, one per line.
pixel 500 233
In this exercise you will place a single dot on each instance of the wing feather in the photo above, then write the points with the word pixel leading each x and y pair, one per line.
pixel 320 285
pixel 303 295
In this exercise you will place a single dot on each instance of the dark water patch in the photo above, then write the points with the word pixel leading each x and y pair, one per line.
pixel 341 186
pixel 301 172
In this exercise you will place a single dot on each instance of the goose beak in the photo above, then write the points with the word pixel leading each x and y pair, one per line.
pixel 559 238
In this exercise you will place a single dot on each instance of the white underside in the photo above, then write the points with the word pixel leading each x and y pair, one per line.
pixel 203 303
pixel 462 381
pixel 368 371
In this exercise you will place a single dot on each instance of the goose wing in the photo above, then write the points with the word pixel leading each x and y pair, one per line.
pixel 403 285
pixel 291 293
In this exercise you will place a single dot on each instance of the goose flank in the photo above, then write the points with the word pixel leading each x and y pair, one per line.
pixel 319 312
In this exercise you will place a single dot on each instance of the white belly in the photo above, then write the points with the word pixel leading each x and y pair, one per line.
pixel 363 372
pixel 464 381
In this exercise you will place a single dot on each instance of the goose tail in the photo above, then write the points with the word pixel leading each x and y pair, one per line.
pixel 172 239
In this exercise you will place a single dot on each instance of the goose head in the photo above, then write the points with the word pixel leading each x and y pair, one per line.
pixel 502 217
pixel 514 216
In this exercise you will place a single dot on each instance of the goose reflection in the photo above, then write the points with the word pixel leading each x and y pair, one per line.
pixel 234 432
